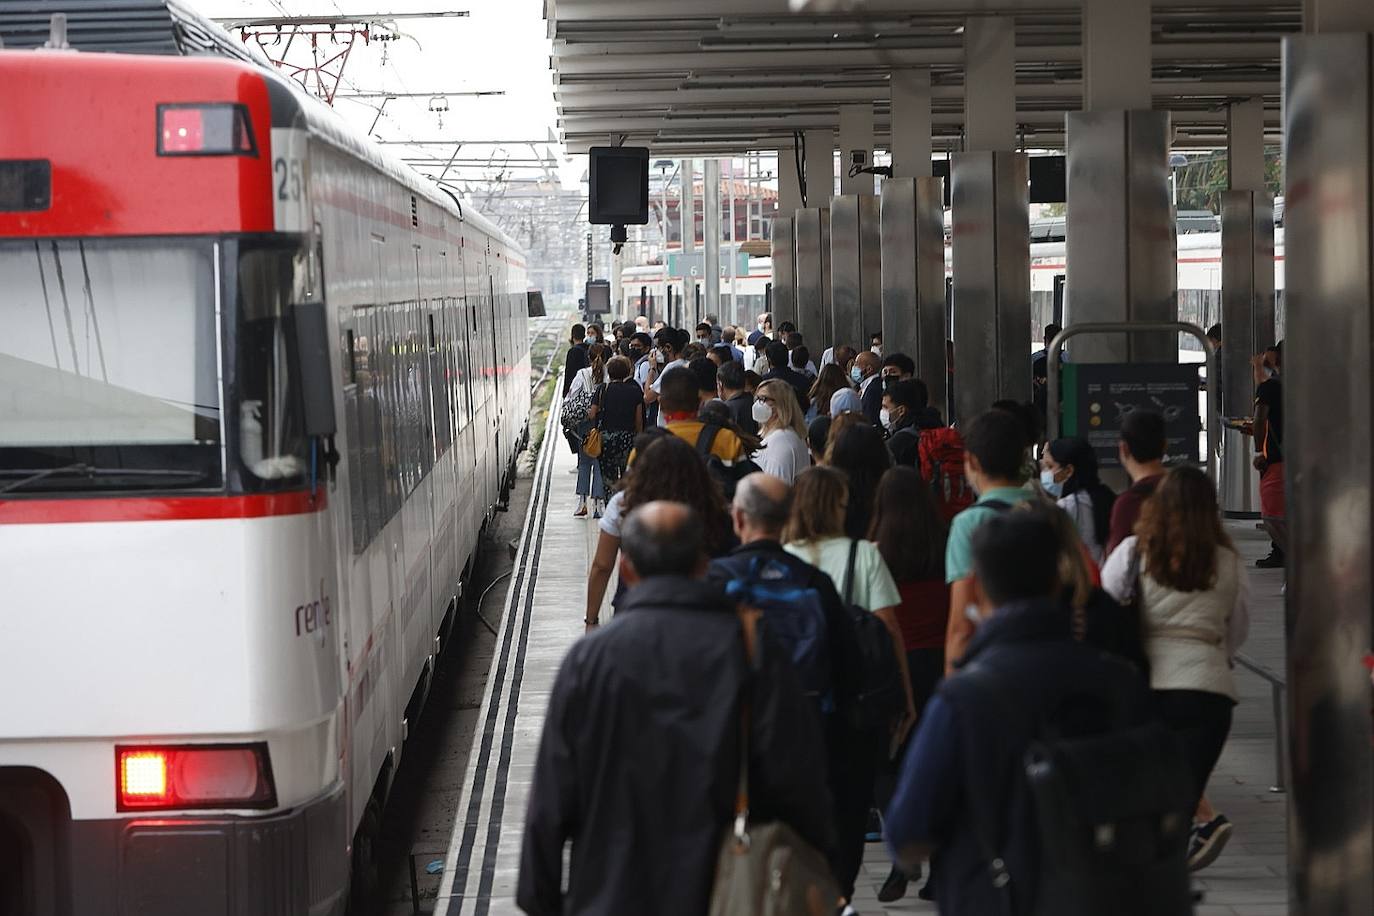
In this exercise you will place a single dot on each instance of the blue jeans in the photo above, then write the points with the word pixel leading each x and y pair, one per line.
pixel 589 477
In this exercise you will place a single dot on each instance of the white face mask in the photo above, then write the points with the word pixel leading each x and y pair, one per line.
pixel 876 350
pixel 885 418
pixel 1050 485
pixel 761 412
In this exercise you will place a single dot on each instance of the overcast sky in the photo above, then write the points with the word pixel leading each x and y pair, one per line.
pixel 501 45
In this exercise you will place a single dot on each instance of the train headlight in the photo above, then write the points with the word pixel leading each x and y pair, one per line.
pixel 194 776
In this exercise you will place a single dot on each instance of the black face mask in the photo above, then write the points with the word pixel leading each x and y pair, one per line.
pixel 636 353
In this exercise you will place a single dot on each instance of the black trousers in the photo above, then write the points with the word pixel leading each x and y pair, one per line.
pixel 853 759
pixel 1202 720
pixel 926 667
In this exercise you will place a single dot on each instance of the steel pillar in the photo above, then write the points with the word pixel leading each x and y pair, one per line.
pixel 789 182
pixel 855 269
pixel 911 146
pixel 991 214
pixel 687 208
pixel 913 272
pixel 1121 233
pixel 710 239
pixel 784 275
pixel 990 83
pixel 820 167
pixel 856 139
pixel 1328 88
pixel 812 230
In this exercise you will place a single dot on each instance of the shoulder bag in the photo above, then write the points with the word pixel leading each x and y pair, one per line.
pixel 591 443
pixel 766 869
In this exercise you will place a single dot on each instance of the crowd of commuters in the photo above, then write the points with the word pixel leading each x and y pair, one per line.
pixel 836 612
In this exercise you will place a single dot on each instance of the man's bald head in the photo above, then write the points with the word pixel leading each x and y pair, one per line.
pixel 868 362
pixel 760 507
pixel 662 538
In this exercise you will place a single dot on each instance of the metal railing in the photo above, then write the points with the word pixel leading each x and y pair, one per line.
pixel 1277 685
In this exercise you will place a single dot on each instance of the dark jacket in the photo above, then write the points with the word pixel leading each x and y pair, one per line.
pixel 576 361
pixel 872 400
pixel 741 411
pixel 800 384
pixel 966 766
pixel 638 761
pixel 905 441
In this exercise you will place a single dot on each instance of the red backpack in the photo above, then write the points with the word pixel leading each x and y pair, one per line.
pixel 942 464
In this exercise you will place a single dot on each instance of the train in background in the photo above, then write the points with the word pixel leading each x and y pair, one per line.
pixel 261 387
pixel 644 290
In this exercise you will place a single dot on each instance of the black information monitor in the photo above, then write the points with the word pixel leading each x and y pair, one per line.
pixel 618 190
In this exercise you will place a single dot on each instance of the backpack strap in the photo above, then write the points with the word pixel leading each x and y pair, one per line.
pixel 849 570
pixel 706 439
pixel 999 506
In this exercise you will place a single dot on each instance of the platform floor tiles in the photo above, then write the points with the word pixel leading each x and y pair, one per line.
pixel 545 618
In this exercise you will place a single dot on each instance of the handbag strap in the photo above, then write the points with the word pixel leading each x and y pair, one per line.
pixel 749 625
pixel 849 571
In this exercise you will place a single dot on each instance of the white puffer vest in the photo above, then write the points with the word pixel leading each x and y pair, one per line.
pixel 1185 632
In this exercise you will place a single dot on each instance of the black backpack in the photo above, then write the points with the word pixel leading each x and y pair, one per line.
pixel 1114 807
pixel 881 696
pixel 727 475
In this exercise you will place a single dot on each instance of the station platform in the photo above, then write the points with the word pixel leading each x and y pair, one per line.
pixel 543 618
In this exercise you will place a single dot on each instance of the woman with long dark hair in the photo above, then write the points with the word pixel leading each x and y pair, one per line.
pixel 1068 473
pixel 622 418
pixel 911 538
pixel 583 402
pixel 1192 589
pixel 830 380
pixel 815 532
pixel 665 467
pixel 856 447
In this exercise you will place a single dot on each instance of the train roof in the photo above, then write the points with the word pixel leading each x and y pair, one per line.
pixel 170 28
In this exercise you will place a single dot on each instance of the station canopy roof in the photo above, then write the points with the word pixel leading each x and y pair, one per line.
pixel 716 77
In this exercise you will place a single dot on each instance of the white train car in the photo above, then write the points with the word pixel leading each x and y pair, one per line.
pixel 644 291
pixel 260 389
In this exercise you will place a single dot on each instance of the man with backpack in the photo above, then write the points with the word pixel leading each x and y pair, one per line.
pixel 1036 779
pixel 994 447
pixel 805 617
pixel 906 414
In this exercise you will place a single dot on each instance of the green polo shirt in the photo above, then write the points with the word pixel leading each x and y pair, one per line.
pixel 959 547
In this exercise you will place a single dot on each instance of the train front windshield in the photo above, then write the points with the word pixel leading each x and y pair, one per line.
pixel 114 356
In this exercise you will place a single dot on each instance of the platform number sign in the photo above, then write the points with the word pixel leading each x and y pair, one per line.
pixel 290 181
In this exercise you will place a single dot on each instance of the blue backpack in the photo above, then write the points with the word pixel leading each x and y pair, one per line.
pixel 794 617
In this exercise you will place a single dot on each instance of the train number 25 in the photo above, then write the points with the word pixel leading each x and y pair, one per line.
pixel 288 173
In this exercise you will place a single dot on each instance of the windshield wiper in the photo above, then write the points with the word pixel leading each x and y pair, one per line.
pixel 32 475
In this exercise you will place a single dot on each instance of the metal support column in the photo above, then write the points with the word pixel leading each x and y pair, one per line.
pixel 991 261
pixel 856 140
pixel 812 264
pixel 855 269
pixel 913 272
pixel 1328 372
pixel 784 276
pixel 710 239
pixel 991 229
pixel 911 129
pixel 1121 233
pixel 820 167
pixel 789 182
pixel 1247 296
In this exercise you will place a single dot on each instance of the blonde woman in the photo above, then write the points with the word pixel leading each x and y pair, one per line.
pixel 783 452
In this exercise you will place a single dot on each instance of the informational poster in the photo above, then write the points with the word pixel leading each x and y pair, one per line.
pixel 1098 396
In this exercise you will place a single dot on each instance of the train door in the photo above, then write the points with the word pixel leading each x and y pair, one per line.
pixel 497 466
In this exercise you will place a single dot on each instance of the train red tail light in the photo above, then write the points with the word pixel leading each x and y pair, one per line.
pixel 193 776
pixel 208 129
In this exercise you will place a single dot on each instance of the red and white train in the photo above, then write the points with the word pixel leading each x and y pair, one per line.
pixel 260 389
